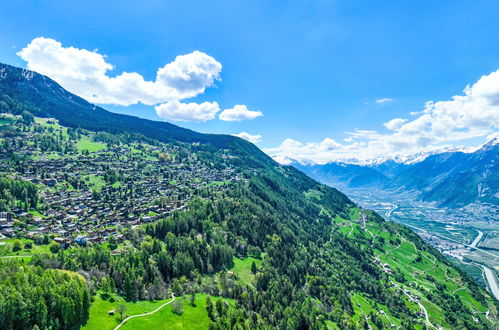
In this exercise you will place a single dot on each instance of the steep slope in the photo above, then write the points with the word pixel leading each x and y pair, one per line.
pixel 455 178
pixel 325 262
pixel 21 89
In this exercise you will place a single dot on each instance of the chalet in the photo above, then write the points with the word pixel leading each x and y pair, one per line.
pixel 62 240
pixel 5 217
pixel 63 233
pixel 81 240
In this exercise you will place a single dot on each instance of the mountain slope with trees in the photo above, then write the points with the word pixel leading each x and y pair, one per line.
pixel 325 263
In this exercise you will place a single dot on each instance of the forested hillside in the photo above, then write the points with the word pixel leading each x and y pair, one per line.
pixel 47 298
pixel 139 218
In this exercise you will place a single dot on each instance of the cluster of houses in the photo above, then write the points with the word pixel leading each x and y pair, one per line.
pixel 79 206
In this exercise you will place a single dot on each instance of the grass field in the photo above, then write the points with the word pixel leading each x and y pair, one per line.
pixel 36 213
pixel 86 144
pixel 219 183
pixel 363 306
pixel 96 182
pixel 99 318
pixel 242 268
pixel 6 121
pixel 192 318
pixel 25 254
pixel 420 268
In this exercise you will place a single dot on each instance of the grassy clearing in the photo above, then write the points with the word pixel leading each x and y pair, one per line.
pixel 4 121
pixel 95 182
pixel 86 144
pixel 36 214
pixel 219 183
pixel 193 317
pixel 313 195
pixel 7 248
pixel 99 317
pixel 242 268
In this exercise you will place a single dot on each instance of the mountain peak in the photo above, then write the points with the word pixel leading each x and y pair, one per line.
pixel 491 143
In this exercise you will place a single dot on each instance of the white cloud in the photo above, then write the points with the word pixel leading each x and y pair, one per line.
pixel 316 151
pixel 249 137
pixel 385 100
pixel 473 114
pixel 394 124
pixel 238 113
pixel 363 134
pixel 174 110
pixel 86 73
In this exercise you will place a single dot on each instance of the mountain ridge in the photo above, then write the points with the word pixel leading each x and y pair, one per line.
pixel 22 89
pixel 438 178
pixel 323 261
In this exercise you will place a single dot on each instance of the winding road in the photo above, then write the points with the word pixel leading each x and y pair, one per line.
pixel 453 240
pixel 145 314
pixel 477 239
pixel 492 280
pixel 389 212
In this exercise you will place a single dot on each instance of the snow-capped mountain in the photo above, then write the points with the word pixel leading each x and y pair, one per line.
pixel 457 177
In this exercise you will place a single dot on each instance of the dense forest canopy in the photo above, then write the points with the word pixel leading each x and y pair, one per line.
pixel 17 193
pixel 47 298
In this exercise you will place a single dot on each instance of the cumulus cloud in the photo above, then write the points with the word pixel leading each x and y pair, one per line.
pixel 385 100
pixel 472 114
pixel 317 151
pixel 239 113
pixel 249 137
pixel 174 110
pixel 394 124
pixel 87 74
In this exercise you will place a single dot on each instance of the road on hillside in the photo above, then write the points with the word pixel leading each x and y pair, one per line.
pixel 489 273
pixel 453 240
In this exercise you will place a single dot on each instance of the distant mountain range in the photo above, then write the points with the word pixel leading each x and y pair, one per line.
pixel 452 179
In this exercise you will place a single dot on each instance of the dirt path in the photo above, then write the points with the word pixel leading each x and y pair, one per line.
pixel 139 315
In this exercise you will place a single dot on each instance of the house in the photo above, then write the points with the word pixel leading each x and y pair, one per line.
pixel 61 240
pixel 81 240
pixel 5 216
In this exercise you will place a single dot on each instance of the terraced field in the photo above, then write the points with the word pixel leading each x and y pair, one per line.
pixel 412 271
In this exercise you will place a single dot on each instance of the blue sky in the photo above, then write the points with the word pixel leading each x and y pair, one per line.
pixel 313 68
